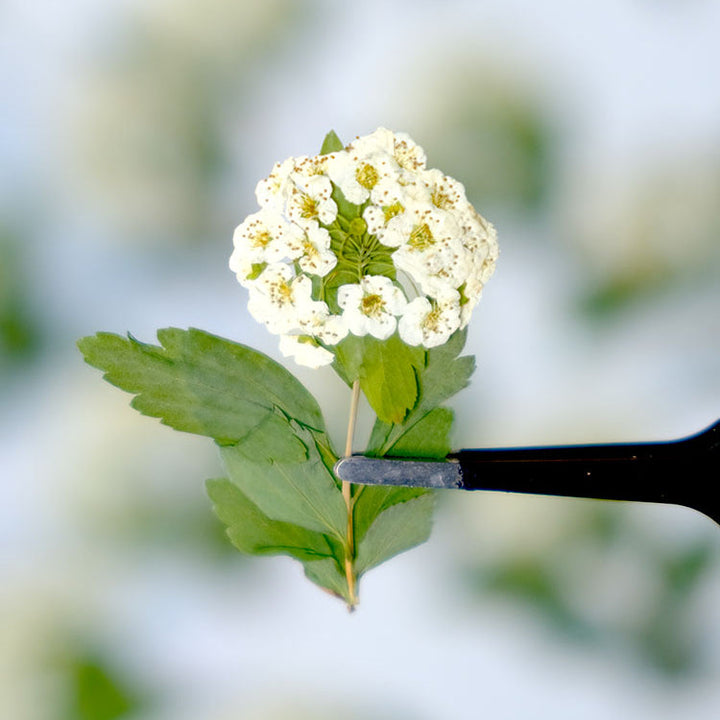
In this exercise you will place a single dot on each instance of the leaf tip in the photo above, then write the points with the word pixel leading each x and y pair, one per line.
pixel 331 144
pixel 212 484
pixel 93 347
pixel 83 344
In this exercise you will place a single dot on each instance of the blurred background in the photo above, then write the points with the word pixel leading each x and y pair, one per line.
pixel 131 138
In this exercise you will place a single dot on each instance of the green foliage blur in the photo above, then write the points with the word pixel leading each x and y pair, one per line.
pixel 156 127
pixel 487 124
pixel 658 237
pixel 21 331
pixel 97 692
pixel 579 574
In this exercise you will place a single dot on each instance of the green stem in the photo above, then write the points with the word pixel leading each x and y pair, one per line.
pixel 349 503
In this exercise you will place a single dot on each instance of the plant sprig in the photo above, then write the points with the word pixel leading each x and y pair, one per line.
pixel 361 258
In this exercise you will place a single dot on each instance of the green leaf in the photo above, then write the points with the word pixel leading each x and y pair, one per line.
pixel 346 210
pixel 375 499
pixel 341 274
pixel 302 493
pixel 201 383
pixel 273 439
pixel 396 529
pixel 331 144
pixel 428 438
pixel 388 379
pixel 387 372
pixel 444 375
pixel 381 263
pixel 349 357
pixel 327 574
pixel 252 531
pixel 378 444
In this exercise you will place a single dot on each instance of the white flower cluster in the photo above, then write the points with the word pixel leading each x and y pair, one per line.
pixel 418 252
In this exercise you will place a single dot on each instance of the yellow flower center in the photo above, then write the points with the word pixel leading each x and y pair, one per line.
pixel 404 156
pixel 261 239
pixel 367 176
pixel 372 305
pixel 421 238
pixel 281 293
pixel 317 166
pixel 308 207
pixel 432 321
pixel 309 249
pixel 441 199
pixel 390 211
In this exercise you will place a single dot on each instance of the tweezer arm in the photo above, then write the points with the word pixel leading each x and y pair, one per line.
pixel 682 472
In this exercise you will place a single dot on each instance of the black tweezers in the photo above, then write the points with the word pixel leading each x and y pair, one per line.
pixel 681 472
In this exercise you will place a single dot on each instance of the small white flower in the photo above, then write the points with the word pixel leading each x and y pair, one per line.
pixel 307 167
pixel 332 330
pixel 420 228
pixel 370 307
pixel 471 291
pixel 490 261
pixel 277 299
pixel 390 199
pixel 438 270
pixel 272 192
pixel 374 218
pixel 381 140
pixel 408 155
pixel 445 193
pixel 264 237
pixel 479 273
pixel 311 202
pixel 357 175
pixel 478 235
pixel 244 270
pixel 305 351
pixel 312 250
pixel 392 189
pixel 316 320
pixel 480 239
pixel 430 323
